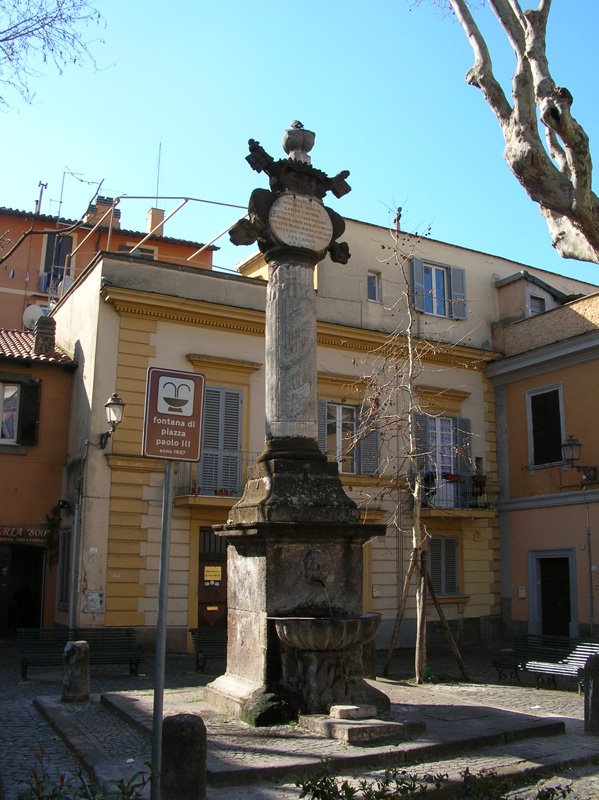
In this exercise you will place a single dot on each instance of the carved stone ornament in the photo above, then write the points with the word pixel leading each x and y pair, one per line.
pixel 291 215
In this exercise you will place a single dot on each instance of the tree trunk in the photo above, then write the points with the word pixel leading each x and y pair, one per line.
pixel 400 610
pixel 420 656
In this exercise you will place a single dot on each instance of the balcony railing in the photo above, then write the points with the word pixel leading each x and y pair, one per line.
pixel 219 473
pixel 449 490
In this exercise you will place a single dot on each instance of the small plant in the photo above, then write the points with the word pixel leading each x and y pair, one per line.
pixel 41 786
pixel 485 785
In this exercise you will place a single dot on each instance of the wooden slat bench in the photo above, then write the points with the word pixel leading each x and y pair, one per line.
pixel 545 657
pixel 208 642
pixel 41 648
pixel 45 648
pixel 112 646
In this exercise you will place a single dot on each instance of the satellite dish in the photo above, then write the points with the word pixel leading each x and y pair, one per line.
pixel 64 285
pixel 31 315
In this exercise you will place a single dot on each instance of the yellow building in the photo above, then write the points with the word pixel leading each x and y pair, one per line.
pixel 125 315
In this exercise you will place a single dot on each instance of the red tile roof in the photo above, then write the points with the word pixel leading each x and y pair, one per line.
pixel 18 346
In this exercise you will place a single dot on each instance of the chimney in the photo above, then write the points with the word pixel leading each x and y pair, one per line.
pixel 96 210
pixel 154 220
pixel 44 337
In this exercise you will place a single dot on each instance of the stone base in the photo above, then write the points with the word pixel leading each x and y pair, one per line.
pixel 249 702
pixel 360 731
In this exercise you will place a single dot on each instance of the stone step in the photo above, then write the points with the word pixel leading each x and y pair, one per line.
pixel 360 731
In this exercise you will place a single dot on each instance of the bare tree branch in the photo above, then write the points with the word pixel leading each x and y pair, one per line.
pixel 35 32
pixel 553 162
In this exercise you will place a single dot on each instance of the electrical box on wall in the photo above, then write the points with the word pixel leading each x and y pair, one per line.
pixel 521 592
pixel 94 601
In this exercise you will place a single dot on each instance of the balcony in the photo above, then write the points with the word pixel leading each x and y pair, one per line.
pixel 451 490
pixel 219 473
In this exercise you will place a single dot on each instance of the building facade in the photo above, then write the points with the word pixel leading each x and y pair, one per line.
pixel 41 255
pixel 35 391
pixel 124 315
pixel 549 507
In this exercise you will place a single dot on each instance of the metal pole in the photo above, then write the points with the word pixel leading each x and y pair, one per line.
pixel 167 505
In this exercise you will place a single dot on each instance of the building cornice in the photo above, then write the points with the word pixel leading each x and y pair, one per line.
pixel 184 310
pixel 557 355
pixel 549 500
pixel 248 321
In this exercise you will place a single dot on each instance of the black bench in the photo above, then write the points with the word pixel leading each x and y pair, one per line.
pixel 545 657
pixel 112 646
pixel 44 648
pixel 208 642
pixel 41 648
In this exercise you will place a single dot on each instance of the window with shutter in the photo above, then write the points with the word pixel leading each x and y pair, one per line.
pixel 545 425
pixel 443 564
pixel 19 405
pixel 220 466
pixel 338 424
pixel 58 247
pixel 438 290
pixel 444 457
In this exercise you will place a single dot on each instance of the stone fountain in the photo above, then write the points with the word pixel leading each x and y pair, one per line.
pixel 295 622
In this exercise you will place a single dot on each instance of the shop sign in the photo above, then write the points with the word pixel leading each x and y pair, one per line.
pixel 25 534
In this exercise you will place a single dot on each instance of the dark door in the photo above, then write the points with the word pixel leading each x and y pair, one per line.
pixel 6 609
pixel 212 583
pixel 555 596
pixel 21 586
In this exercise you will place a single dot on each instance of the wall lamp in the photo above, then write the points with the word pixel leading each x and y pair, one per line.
pixel 571 450
pixel 114 414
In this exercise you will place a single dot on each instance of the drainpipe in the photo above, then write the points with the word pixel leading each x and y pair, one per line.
pixel 590 562
pixel 76 544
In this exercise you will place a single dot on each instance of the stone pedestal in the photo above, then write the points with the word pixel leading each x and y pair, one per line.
pixel 295 550
pixel 76 675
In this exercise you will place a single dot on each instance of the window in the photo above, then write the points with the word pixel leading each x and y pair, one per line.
pixel 58 247
pixel 338 424
pixel 64 568
pixel 439 290
pixel 443 446
pixel 537 305
pixel 220 465
pixel 443 564
pixel 373 282
pixel 19 403
pixel 140 252
pixel 545 428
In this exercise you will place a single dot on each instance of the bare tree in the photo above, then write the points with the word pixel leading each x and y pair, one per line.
pixel 41 31
pixel 545 147
pixel 393 408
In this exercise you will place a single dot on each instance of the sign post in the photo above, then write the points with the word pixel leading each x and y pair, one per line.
pixel 172 431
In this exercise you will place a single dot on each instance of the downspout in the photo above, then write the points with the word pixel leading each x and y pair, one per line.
pixel 76 544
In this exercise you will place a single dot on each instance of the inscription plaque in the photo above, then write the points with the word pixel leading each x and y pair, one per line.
pixel 300 221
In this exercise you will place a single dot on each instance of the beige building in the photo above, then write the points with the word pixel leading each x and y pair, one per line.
pixel 124 315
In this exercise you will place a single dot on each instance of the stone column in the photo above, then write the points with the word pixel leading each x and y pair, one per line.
pixel 290 350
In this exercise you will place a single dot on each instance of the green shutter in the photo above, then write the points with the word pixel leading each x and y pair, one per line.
pixel 29 409
pixel 457 279
pixel 418 284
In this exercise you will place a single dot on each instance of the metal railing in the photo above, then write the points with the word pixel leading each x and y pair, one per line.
pixel 219 473
pixel 449 490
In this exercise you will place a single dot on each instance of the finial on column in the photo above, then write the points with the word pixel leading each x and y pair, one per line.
pixel 298 141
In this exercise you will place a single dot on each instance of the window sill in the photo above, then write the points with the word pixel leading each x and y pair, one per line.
pixel 532 468
pixel 13 449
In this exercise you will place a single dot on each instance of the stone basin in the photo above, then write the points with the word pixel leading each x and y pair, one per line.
pixel 326 633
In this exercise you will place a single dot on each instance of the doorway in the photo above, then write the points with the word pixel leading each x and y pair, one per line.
pixel 212 580
pixel 553 598
pixel 21 588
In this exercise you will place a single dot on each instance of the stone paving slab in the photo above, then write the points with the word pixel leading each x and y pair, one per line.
pixel 239 754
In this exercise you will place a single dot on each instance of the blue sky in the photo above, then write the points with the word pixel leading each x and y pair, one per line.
pixel 380 82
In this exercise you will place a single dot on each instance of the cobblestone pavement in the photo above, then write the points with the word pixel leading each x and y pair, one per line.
pixel 23 730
